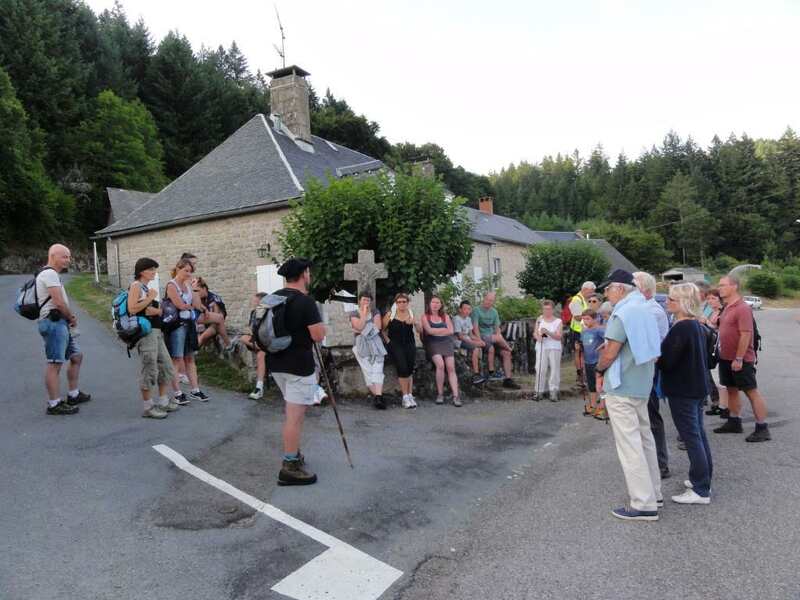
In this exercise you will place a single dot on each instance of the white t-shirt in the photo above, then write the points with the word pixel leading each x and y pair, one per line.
pixel 548 343
pixel 47 279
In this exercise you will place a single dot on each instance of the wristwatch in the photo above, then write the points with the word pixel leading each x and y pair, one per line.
pixel 739 359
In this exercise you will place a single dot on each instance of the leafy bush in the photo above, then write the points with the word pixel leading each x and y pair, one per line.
pixel 453 292
pixel 723 263
pixel 790 281
pixel 557 269
pixel 764 284
pixel 512 309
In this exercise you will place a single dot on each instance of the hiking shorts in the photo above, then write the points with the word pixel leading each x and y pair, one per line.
pixel 156 363
pixel 59 344
pixel 744 379
pixel 591 380
pixel 296 389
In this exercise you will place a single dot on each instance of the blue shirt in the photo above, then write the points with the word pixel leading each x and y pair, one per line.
pixel 592 339
pixel 637 380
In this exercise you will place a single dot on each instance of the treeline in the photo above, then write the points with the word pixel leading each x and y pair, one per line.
pixel 675 203
pixel 90 101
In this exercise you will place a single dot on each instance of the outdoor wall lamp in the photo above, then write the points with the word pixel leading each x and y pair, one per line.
pixel 263 251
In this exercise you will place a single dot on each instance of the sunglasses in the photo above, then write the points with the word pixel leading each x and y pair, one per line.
pixel 402 302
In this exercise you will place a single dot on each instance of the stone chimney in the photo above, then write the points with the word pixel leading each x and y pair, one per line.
pixel 288 97
pixel 486 205
pixel 423 168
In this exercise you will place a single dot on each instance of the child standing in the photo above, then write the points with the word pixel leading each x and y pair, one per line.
pixel 592 335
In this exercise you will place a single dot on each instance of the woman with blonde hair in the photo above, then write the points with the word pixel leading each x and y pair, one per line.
pixel 182 339
pixel 684 381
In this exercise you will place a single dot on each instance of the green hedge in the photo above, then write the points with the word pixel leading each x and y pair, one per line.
pixel 764 284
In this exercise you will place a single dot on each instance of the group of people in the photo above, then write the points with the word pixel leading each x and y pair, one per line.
pixel 649 354
pixel 636 356
pixel 394 334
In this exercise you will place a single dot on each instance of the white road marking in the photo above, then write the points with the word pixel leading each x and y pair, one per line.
pixel 547 444
pixel 340 573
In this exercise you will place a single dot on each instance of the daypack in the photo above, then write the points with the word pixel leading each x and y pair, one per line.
pixel 129 328
pixel 712 346
pixel 27 303
pixel 268 323
pixel 214 298
pixel 756 339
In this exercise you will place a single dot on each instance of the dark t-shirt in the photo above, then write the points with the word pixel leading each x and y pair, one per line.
pixel 298 358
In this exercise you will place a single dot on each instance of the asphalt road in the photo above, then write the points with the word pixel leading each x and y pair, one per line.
pixel 493 500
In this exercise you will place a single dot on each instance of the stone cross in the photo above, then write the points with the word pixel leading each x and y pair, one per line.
pixel 365 272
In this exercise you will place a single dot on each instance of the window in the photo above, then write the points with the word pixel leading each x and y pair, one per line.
pixel 496 266
pixel 267 279
pixel 477 273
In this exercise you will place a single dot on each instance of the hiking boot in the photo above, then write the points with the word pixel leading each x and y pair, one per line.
pixel 62 408
pixel 724 413
pixel 714 410
pixel 665 474
pixel 182 399
pixel 478 379
pixel 761 434
pixel 154 412
pixel 79 399
pixel 730 426
pixel 199 395
pixel 256 394
pixel 293 473
pixel 509 384
pixel 379 403
pixel 457 401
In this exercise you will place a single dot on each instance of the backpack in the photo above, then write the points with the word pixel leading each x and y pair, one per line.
pixel 129 328
pixel 214 298
pixel 712 346
pixel 756 339
pixel 27 303
pixel 269 325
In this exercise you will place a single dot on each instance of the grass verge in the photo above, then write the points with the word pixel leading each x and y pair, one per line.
pixel 96 301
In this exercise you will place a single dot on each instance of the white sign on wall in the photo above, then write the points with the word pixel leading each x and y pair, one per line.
pixel 477 273
pixel 267 279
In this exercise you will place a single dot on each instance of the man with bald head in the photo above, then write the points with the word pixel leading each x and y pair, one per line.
pixel 57 327
pixel 486 326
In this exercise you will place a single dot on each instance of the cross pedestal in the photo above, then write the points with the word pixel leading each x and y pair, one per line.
pixel 365 272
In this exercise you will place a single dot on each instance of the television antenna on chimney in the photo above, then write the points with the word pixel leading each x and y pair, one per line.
pixel 282 50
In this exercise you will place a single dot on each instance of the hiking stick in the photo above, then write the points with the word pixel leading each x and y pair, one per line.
pixel 333 403
pixel 539 353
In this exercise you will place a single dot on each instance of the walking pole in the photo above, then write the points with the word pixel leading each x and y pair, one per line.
pixel 539 363
pixel 333 403
pixel 585 384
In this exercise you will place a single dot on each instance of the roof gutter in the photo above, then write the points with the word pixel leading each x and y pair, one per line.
pixel 189 220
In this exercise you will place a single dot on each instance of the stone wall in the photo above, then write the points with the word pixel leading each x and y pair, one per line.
pixel 226 250
pixel 512 261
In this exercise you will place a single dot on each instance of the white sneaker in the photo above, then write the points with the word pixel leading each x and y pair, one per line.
pixel 688 484
pixel 413 401
pixel 408 402
pixel 690 497
pixel 183 378
pixel 256 394
pixel 319 394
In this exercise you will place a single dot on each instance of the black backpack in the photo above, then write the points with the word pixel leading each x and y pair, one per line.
pixel 712 346
pixel 268 323
pixel 27 303
pixel 756 339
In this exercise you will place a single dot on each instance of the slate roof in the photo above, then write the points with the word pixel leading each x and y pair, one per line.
pixel 256 168
pixel 618 260
pixel 559 236
pixel 124 202
pixel 489 228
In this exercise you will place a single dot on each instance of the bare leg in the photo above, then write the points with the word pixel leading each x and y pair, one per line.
pixel 261 365
pixel 734 402
pixel 293 427
pixel 723 396
pixel 208 334
pixel 74 370
pixel 756 401
pixel 476 361
pixel 450 363
pixel 191 371
pixel 51 374
pixel 217 321
pixel 179 367
pixel 491 358
pixel 506 354
pixel 439 364
pixel 405 385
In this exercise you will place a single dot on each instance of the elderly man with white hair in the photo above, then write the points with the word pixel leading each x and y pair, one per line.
pixel 647 285
pixel 578 304
pixel 627 363
pixel 57 327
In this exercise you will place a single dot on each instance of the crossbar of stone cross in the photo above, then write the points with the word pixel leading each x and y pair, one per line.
pixel 365 272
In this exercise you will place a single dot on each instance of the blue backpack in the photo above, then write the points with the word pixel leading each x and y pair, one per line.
pixel 129 328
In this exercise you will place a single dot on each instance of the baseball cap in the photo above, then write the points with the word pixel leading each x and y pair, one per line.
pixel 617 276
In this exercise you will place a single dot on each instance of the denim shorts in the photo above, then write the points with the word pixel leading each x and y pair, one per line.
pixel 59 345
pixel 180 342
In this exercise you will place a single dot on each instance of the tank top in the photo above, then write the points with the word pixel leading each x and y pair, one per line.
pixel 400 332
pixel 155 320
pixel 186 296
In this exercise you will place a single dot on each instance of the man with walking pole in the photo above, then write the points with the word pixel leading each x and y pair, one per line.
pixel 293 369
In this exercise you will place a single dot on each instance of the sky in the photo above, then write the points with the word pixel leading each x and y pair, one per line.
pixel 506 81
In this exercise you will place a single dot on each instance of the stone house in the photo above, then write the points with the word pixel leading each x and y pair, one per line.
pixel 227 209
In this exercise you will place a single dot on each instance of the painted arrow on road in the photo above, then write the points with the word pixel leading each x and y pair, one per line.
pixel 342 572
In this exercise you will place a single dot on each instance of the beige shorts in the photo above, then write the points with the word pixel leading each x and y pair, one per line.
pixel 296 389
pixel 156 362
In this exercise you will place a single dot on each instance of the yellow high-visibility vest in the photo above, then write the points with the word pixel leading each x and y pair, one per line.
pixel 576 325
